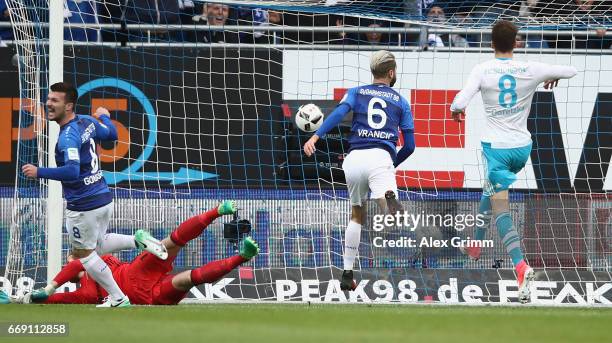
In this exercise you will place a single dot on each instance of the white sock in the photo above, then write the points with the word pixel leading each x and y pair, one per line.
pixel 352 236
pixel 101 273
pixel 114 242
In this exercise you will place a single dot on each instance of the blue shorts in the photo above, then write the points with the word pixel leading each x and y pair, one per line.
pixel 501 165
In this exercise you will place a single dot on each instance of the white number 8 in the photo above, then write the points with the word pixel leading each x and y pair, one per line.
pixel 94 156
pixel 377 111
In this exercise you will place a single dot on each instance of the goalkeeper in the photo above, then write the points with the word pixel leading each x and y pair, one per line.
pixel 147 279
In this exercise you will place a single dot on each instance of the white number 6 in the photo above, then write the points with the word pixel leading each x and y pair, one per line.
pixel 377 111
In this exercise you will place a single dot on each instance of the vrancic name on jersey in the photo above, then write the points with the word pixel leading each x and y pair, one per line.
pixel 375 134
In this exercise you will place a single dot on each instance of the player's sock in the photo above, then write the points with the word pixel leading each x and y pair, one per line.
pixel 484 210
pixel 509 237
pixel 193 227
pixel 116 242
pixel 521 267
pixel 101 273
pixel 69 272
pixel 352 237
pixel 214 270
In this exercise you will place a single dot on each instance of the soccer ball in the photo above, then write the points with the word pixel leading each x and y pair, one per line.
pixel 309 118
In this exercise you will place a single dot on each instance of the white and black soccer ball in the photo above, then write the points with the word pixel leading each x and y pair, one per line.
pixel 309 118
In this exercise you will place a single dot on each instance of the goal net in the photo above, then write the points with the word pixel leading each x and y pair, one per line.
pixel 204 97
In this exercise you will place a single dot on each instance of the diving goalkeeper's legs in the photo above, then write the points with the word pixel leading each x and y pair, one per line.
pixel 194 226
pixel 172 289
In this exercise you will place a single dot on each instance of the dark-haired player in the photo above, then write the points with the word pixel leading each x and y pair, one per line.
pixel 507 87
pixel 89 200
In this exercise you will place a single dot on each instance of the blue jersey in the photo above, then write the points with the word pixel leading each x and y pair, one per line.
pixel 77 143
pixel 378 111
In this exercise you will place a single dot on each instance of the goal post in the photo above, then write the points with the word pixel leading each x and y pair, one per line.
pixel 25 241
pixel 54 203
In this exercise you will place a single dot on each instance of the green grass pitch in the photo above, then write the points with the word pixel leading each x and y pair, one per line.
pixel 250 323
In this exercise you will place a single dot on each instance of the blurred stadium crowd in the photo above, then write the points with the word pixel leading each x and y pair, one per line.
pixel 556 15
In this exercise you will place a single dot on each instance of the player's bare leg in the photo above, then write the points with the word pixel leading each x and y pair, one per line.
pixel 512 242
pixel 383 207
pixel 392 203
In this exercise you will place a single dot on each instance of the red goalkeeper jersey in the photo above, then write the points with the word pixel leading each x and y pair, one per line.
pixel 136 280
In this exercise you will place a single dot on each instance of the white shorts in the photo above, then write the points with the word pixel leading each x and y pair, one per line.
pixel 87 229
pixel 369 170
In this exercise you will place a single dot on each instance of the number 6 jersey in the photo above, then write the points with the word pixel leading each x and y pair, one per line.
pixel 378 111
pixel 507 89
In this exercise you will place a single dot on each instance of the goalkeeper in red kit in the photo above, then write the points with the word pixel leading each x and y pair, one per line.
pixel 147 279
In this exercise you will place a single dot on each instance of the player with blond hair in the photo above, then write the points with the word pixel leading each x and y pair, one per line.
pixel 378 112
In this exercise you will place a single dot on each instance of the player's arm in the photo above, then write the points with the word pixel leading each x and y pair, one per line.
pixel 551 74
pixel 105 129
pixel 334 118
pixel 69 143
pixel 407 127
pixel 463 98
pixel 71 272
pixel 75 272
pixel 86 294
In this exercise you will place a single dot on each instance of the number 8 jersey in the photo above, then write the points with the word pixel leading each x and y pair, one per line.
pixel 77 143
pixel 378 111
pixel 507 89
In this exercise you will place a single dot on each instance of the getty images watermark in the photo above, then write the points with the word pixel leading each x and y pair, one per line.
pixel 411 221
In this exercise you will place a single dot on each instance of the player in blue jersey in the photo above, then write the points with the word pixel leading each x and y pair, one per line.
pixel 89 202
pixel 378 111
